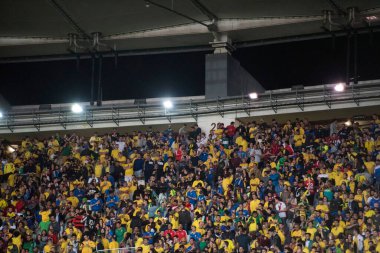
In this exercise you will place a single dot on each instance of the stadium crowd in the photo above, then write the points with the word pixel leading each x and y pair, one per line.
pixel 254 187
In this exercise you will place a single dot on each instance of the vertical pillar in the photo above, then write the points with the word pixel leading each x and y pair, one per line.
pixel 224 76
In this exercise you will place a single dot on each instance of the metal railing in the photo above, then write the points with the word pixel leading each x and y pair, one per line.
pixel 119 250
pixel 192 108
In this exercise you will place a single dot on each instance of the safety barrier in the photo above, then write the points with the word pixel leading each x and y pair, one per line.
pixel 119 250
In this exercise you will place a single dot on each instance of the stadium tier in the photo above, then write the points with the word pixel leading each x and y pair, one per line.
pixel 189 126
pixel 255 187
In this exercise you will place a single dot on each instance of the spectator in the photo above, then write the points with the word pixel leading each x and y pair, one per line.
pixel 265 186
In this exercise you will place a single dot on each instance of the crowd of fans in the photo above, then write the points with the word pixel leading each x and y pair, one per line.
pixel 254 187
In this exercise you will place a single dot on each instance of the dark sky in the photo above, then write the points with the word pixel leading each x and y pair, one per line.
pixel 274 66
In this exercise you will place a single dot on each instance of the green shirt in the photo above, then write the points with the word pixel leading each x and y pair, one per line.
pixel 119 232
pixel 202 245
pixel 66 151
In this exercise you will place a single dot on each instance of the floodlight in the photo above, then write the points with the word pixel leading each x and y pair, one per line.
pixel 339 87
pixel 371 18
pixel 1 115
pixel 76 108
pixel 253 95
pixel 168 104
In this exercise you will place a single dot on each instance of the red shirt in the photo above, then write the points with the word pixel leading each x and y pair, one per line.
pixel 77 221
pixel 181 234
pixel 309 184
pixel 289 149
pixel 178 155
pixel 54 238
pixel 231 130
pixel 20 206
pixel 171 232
pixel 275 148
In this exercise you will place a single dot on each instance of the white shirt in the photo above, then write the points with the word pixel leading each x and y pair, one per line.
pixel 359 238
pixel 121 145
pixel 281 209
pixel 258 153
pixel 91 179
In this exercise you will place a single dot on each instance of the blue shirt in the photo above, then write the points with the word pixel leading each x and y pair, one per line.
pixel 114 203
pixel 96 207
pixel 242 154
pixel 239 183
pixel 318 220
pixel 274 177
pixel 192 194
pixel 151 234
pixel 195 235
pixel 201 197
pixel 79 193
pixel 373 202
pixel 112 180
pixel 210 177
pixel 203 156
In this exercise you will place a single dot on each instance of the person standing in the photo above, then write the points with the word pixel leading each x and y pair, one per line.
pixel 243 240
pixel 281 210
pixel 358 242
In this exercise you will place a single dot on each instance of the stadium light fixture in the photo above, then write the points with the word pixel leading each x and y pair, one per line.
pixel 1 115
pixel 168 104
pixel 339 87
pixel 371 18
pixel 76 108
pixel 253 95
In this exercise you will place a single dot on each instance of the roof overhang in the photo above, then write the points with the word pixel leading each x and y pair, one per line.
pixel 40 27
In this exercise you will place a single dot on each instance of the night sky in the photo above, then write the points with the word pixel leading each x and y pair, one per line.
pixel 274 66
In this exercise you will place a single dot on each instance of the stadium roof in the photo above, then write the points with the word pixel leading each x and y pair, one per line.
pixel 42 27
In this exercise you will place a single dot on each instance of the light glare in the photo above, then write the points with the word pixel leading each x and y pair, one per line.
pixel 11 150
pixel 253 95
pixel 347 123
pixel 339 87
pixel 168 104
pixel 371 18
pixel 1 115
pixel 77 108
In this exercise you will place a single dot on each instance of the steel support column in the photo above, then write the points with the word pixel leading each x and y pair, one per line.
pixel 327 96
pixel 63 119
pixel 194 110
pixel 273 102
pixel 141 113
pixel 246 104
pixel 10 122
pixel 116 115
pixel 37 121
pixel 90 117
pixel 300 100
pixel 220 107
